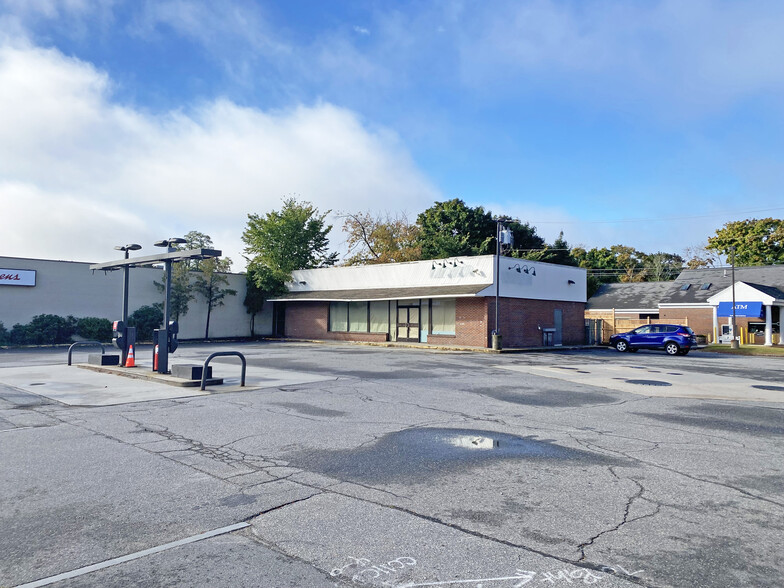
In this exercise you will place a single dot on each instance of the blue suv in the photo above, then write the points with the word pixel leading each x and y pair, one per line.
pixel 674 339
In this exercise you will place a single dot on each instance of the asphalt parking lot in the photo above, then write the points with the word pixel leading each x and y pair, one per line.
pixel 344 465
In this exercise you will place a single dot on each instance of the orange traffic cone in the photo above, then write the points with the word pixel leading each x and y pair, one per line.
pixel 130 361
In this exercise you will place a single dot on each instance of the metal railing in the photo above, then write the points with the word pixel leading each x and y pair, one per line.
pixel 220 354
pixel 85 343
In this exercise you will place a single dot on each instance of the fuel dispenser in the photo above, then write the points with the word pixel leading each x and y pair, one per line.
pixel 122 338
pixel 161 338
pixel 174 329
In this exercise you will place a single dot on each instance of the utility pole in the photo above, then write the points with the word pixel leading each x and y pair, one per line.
pixel 734 343
pixel 497 331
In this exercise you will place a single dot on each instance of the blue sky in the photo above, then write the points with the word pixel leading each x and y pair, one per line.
pixel 130 121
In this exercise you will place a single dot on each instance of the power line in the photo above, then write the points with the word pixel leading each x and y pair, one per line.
pixel 664 218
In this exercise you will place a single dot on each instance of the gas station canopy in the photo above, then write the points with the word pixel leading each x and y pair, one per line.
pixel 172 256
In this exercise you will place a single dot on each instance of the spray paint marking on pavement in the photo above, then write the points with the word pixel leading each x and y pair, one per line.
pixel 132 556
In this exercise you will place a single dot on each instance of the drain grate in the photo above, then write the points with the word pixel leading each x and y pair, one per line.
pixel 648 382
pixel 774 388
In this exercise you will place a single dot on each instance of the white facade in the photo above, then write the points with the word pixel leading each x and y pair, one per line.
pixel 746 292
pixel 71 288
pixel 535 280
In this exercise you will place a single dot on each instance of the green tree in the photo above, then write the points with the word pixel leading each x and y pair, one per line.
pixel 94 328
pixel 145 319
pixel 181 290
pixel 378 239
pixel 449 229
pixel 756 241
pixel 183 284
pixel 209 281
pixel 559 252
pixel 254 300
pixel 526 243
pixel 699 256
pixel 618 263
pixel 282 241
pixel 662 266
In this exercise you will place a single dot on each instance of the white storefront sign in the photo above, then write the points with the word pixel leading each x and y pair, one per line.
pixel 15 277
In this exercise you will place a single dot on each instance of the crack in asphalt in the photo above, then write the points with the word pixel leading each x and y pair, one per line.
pixel 638 495
pixel 746 493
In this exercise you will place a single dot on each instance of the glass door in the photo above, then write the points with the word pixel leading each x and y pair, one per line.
pixel 408 323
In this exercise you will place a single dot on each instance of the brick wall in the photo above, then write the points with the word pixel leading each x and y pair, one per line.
pixel 308 320
pixel 699 319
pixel 474 322
pixel 470 324
pixel 520 320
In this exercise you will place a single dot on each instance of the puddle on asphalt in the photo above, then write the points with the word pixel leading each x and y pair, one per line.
pixel 548 398
pixel 747 420
pixel 648 382
pixel 772 388
pixel 419 454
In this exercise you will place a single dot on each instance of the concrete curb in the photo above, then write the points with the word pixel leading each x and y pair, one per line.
pixel 146 374
pixel 426 347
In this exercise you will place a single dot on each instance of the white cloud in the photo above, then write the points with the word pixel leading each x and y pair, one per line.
pixel 82 173
pixel 700 56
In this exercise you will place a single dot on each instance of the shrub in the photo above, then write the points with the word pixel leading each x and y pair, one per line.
pixel 18 335
pixel 145 319
pixel 94 329
pixel 44 329
pixel 5 336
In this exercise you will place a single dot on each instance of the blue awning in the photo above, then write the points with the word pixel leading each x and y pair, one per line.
pixel 749 309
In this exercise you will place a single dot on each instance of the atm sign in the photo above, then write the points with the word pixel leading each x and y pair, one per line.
pixel 15 277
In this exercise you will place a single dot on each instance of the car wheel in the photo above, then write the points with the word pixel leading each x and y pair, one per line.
pixel 621 345
pixel 672 348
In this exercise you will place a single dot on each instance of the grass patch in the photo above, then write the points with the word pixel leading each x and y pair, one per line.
pixel 777 351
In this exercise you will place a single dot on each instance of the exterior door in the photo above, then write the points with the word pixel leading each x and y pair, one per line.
pixel 408 323
pixel 558 320
pixel 279 319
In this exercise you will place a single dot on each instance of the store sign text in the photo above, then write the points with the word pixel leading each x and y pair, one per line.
pixel 13 277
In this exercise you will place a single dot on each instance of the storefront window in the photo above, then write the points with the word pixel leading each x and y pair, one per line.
pixel 443 316
pixel 358 317
pixel 338 316
pixel 379 317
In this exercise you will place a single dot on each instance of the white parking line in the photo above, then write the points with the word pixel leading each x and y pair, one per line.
pixel 132 556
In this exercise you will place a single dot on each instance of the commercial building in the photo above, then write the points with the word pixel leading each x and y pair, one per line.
pixel 440 302
pixel 70 288
pixel 702 299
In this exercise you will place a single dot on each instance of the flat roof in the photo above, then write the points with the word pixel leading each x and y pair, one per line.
pixel 362 294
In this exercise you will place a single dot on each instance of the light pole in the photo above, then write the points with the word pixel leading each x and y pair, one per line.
pixel 126 269
pixel 163 358
pixel 497 332
pixel 734 343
